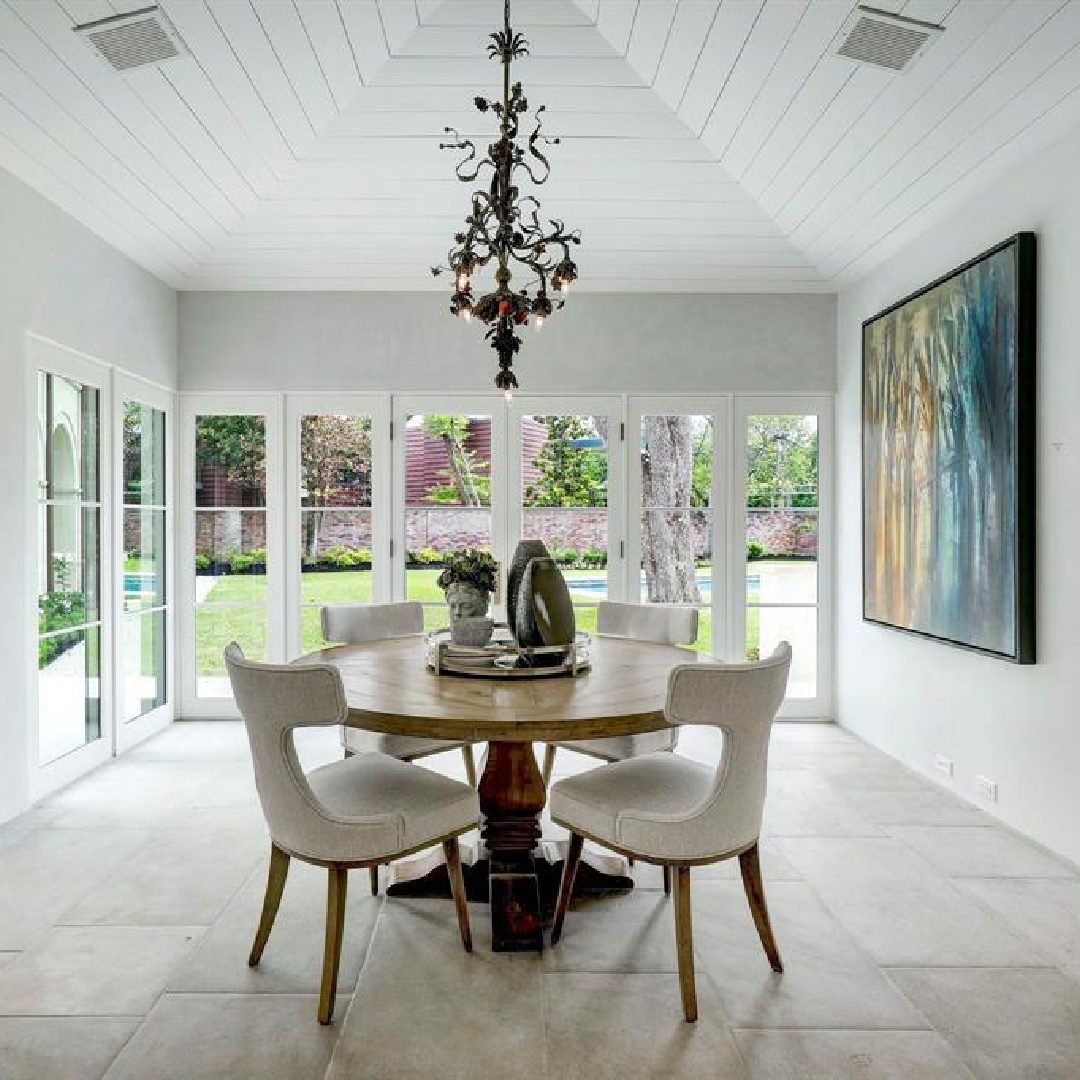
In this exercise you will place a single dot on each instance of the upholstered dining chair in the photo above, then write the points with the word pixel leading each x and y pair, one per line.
pixel 665 809
pixel 355 624
pixel 664 624
pixel 362 811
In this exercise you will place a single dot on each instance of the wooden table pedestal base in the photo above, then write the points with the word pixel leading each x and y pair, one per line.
pixel 519 881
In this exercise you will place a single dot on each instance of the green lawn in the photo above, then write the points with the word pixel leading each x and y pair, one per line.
pixel 246 622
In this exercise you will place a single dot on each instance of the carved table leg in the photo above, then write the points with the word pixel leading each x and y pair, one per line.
pixel 512 796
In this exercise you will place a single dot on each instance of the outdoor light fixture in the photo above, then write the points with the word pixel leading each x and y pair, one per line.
pixel 504 226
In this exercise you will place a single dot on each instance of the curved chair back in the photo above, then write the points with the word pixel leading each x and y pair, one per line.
pixel 273 699
pixel 353 624
pixel 665 624
pixel 741 700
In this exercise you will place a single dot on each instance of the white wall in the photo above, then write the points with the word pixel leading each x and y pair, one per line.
pixel 598 343
pixel 913 698
pixel 59 280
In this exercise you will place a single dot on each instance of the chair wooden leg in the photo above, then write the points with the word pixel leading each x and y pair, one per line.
pixel 549 763
pixel 750 866
pixel 684 942
pixel 275 886
pixel 457 887
pixel 337 885
pixel 470 765
pixel 373 874
pixel 566 886
pixel 667 880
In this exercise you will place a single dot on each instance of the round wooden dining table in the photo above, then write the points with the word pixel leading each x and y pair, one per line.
pixel 389 688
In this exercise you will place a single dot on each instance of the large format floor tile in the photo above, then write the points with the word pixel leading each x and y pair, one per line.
pixel 181 877
pixel 965 851
pixel 919 805
pixel 1047 912
pixel 61 1047
pixel 828 982
pixel 292 961
pixel 849 1055
pixel 425 1007
pixel 1006 1023
pixel 631 1027
pixel 94 970
pixel 799 804
pixel 901 909
pixel 228 1037
pixel 46 870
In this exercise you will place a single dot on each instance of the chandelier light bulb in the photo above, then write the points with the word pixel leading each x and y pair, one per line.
pixel 508 394
pixel 539 322
pixel 462 281
pixel 466 313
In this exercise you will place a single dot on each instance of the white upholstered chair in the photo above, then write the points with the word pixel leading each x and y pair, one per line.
pixel 665 809
pixel 664 624
pixel 354 624
pixel 365 810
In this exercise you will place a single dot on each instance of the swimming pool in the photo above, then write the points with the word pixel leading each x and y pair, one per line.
pixel 597 586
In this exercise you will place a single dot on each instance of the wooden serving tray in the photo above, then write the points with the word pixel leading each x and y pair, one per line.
pixel 503 658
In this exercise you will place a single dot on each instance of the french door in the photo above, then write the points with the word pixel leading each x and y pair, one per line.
pixel 70 600
pixel 145 558
pixel 337 509
pixel 231 551
pixel 781 540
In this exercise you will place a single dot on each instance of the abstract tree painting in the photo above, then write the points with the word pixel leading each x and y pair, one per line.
pixel 948 457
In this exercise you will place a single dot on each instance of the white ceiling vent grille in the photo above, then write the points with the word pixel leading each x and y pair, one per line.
pixel 885 40
pixel 135 39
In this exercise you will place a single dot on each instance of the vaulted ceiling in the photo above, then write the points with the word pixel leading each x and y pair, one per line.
pixel 707 145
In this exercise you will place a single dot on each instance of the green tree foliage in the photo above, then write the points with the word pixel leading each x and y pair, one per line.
pixel 569 475
pixel 468 478
pixel 782 461
pixel 335 461
pixel 236 444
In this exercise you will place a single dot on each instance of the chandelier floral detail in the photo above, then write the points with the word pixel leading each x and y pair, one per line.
pixel 504 226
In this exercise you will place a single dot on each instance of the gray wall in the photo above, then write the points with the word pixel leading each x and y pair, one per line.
pixel 598 343
pixel 60 280
pixel 915 698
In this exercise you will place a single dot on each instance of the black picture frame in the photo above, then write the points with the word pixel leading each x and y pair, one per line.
pixel 1024 249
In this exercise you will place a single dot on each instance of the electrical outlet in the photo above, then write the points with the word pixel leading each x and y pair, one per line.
pixel 987 788
pixel 943 764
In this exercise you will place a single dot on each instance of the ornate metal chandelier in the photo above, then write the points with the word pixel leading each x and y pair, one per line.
pixel 504 226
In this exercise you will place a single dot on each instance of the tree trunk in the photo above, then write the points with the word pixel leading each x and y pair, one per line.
pixel 667 528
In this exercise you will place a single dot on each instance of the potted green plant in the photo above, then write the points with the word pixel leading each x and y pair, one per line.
pixel 468 580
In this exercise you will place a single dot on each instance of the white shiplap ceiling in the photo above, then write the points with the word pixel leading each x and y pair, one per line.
pixel 708 145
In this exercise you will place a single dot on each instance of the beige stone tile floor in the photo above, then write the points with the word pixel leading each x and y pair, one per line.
pixel 921 940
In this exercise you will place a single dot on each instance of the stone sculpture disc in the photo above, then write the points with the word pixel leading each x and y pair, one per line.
pixel 526 550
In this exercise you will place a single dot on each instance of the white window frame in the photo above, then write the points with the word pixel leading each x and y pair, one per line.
pixel 717 406
pixel 192 706
pixel 377 408
pixel 131 388
pixel 406 405
pixel 610 406
pixel 822 406
pixel 54 358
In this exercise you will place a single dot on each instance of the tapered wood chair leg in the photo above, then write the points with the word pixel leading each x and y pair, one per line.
pixel 470 765
pixel 275 886
pixel 457 887
pixel 667 880
pixel 549 763
pixel 337 885
pixel 373 874
pixel 566 886
pixel 684 942
pixel 750 865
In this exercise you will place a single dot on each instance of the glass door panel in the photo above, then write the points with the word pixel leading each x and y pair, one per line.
pixel 677 516
pixel 144 527
pixel 230 550
pixel 781 539
pixel 447 488
pixel 564 500
pixel 69 566
pixel 336 542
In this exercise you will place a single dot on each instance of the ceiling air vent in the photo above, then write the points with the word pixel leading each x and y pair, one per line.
pixel 885 40
pixel 135 39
